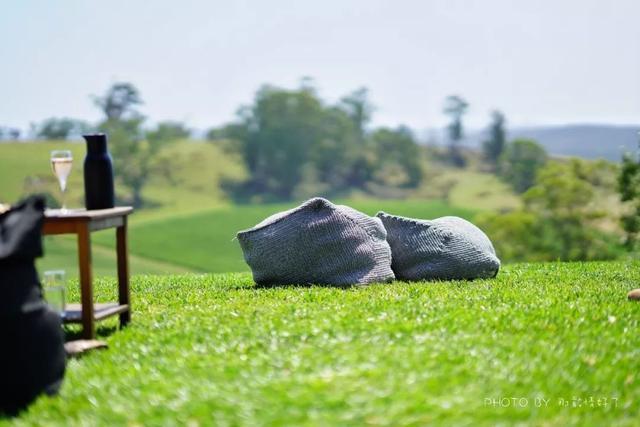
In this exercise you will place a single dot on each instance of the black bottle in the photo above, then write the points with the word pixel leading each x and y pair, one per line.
pixel 98 173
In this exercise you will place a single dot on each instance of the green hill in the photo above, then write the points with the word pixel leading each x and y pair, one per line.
pixel 190 225
pixel 190 185
pixel 188 179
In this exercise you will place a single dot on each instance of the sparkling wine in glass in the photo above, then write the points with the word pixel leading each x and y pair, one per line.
pixel 61 162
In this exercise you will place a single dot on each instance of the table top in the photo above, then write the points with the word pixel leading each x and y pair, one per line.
pixel 73 215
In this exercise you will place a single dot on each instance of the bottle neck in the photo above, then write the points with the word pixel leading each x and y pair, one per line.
pixel 96 143
pixel 97 146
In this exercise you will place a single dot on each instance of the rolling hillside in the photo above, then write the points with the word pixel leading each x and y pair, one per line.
pixel 589 141
pixel 190 225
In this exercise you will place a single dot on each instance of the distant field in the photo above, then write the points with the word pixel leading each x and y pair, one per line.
pixel 481 191
pixel 190 224
pixel 190 180
pixel 61 254
pixel 470 189
pixel 24 162
pixel 205 241
pixel 191 185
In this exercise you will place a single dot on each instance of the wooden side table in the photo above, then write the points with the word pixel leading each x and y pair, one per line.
pixel 82 223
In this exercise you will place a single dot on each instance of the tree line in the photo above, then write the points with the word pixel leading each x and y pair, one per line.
pixel 294 144
pixel 134 147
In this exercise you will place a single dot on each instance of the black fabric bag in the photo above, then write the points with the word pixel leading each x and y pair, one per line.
pixel 32 357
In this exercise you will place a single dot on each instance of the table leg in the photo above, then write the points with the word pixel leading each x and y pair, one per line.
pixel 124 296
pixel 86 289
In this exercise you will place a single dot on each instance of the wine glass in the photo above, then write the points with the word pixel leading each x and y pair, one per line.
pixel 54 290
pixel 61 162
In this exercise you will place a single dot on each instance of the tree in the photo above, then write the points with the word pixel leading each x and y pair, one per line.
pixel 494 146
pixel 560 219
pixel 338 158
pixel 133 154
pixel 397 158
pixel 275 136
pixel 563 199
pixel 629 189
pixel 119 102
pixel 517 236
pixel 61 128
pixel 9 133
pixel 455 107
pixel 168 131
pixel 519 163
pixel 294 145
pixel 359 108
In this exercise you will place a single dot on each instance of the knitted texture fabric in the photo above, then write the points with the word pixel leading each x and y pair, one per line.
pixel 318 242
pixel 443 248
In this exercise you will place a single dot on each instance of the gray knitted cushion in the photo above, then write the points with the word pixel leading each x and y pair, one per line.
pixel 443 248
pixel 318 242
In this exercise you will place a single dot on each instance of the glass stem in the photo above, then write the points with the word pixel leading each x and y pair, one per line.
pixel 64 200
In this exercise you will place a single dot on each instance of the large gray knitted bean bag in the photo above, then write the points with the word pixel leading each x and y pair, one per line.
pixel 318 242
pixel 443 248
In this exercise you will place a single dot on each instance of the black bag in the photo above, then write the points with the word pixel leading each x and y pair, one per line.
pixel 32 357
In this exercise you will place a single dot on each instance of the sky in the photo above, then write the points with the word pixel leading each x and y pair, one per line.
pixel 540 62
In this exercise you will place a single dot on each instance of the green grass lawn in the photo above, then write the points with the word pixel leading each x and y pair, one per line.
pixel 216 350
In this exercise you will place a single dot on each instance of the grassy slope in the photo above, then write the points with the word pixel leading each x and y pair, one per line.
pixel 18 161
pixel 216 350
pixel 61 253
pixel 481 191
pixel 206 241
pixel 191 226
pixel 194 187
pixel 193 178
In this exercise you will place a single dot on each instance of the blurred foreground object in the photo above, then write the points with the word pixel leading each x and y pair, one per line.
pixel 32 359
pixel 634 295
pixel 54 290
pixel 82 223
pixel 79 348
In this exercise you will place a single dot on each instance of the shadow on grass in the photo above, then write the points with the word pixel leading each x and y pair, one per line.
pixel 452 282
pixel 72 333
pixel 306 286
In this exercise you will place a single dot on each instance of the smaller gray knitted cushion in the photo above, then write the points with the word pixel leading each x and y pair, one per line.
pixel 318 242
pixel 443 248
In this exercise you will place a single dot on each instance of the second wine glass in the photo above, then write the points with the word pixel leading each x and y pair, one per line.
pixel 61 162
